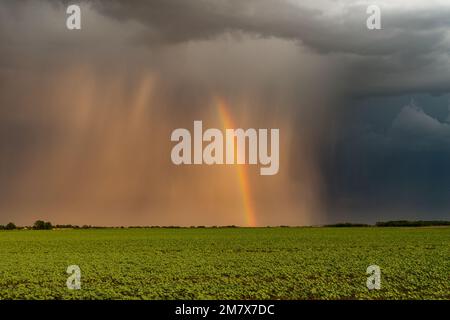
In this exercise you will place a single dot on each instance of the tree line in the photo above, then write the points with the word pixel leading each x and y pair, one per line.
pixel 38 225
pixel 394 223
pixel 46 225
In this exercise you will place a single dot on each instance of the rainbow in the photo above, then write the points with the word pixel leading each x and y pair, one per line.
pixel 242 170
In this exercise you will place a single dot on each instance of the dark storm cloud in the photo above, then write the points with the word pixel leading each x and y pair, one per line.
pixel 312 62
pixel 345 31
pixel 87 118
pixel 391 160
pixel 410 54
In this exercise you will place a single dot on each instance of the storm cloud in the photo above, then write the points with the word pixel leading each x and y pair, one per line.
pixel 85 115
pixel 410 54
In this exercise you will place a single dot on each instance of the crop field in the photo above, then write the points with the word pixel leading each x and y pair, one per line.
pixel 226 263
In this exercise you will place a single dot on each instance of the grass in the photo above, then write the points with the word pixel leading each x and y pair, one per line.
pixel 229 263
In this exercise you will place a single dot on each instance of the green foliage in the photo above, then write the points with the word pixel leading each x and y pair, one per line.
pixel 226 263
pixel 66 226
pixel 10 226
pixel 406 223
pixel 347 225
pixel 42 225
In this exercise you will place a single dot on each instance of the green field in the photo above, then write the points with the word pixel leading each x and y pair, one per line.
pixel 226 263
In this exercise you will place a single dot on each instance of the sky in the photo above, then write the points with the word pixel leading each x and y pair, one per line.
pixel 86 115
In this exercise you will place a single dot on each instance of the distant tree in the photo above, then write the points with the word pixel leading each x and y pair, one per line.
pixel 42 225
pixel 2 227
pixel 39 225
pixel 10 226
pixel 346 225
pixel 406 223
pixel 65 226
